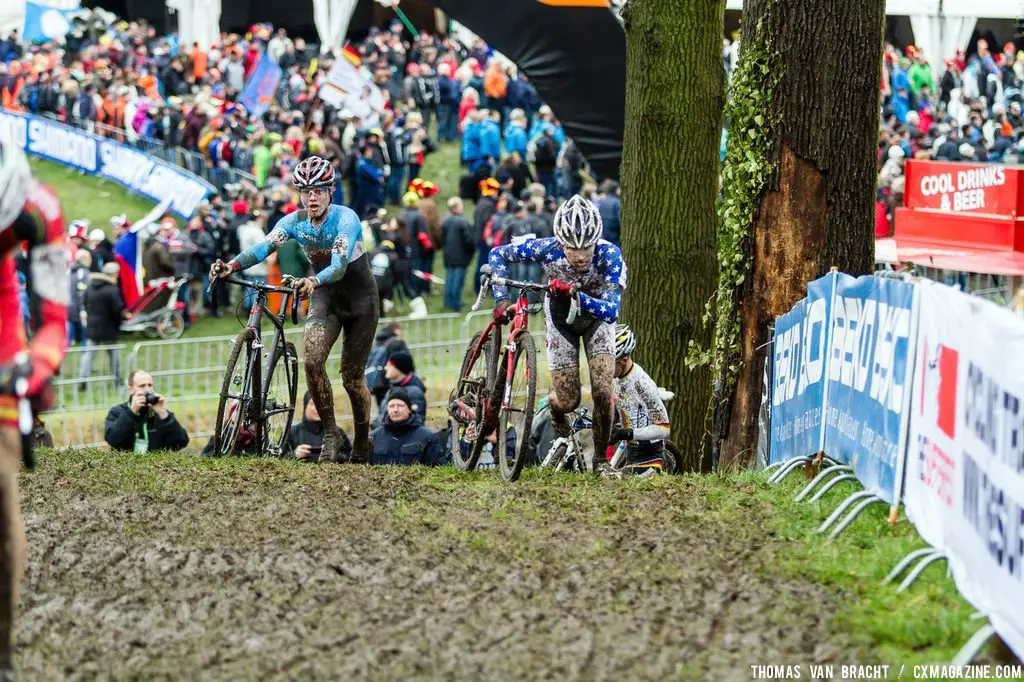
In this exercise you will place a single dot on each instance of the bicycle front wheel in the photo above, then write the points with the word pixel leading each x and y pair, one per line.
pixel 470 402
pixel 279 392
pixel 515 420
pixel 235 395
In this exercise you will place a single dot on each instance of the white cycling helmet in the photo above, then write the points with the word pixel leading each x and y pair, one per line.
pixel 625 341
pixel 577 223
pixel 15 176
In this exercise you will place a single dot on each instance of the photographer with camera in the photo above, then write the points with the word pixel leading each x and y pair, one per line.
pixel 143 424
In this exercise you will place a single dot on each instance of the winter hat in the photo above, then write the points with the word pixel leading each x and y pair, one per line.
pixel 240 207
pixel 402 362
pixel 400 394
pixel 410 198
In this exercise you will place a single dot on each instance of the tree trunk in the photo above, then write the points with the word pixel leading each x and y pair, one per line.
pixel 675 89
pixel 817 210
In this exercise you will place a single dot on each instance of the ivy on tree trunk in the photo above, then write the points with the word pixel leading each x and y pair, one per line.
pixel 675 89
pixel 816 210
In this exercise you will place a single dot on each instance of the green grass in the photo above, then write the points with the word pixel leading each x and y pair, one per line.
pixel 926 624
pixel 85 196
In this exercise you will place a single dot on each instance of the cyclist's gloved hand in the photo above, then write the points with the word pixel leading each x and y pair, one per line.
pixel 619 435
pixel 40 391
pixel 559 289
pixel 305 287
pixel 503 311
pixel 220 269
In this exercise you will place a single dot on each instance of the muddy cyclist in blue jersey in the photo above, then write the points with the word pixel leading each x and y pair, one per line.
pixel 343 296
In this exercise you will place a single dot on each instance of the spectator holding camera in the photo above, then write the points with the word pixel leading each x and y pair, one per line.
pixel 144 423
pixel 306 439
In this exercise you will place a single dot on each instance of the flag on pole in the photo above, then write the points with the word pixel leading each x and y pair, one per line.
pixel 44 23
pixel 352 55
pixel 259 90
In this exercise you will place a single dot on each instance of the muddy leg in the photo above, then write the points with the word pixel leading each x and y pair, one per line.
pixel 355 350
pixel 318 339
pixel 564 398
pixel 12 540
pixel 602 373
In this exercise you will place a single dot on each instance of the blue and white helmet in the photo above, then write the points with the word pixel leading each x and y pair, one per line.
pixel 577 223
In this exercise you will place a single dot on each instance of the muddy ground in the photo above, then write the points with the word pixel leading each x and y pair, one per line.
pixel 182 569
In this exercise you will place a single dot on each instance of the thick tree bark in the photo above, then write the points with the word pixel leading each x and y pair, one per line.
pixel 674 96
pixel 818 210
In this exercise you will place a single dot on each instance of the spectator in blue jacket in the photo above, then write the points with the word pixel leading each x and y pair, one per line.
pixel 609 205
pixel 400 371
pixel 471 151
pixel 490 138
pixel 369 183
pixel 449 94
pixel 402 439
pixel 546 121
pixel 515 133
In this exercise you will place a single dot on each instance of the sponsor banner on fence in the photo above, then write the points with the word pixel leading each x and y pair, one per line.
pixel 964 488
pixel 137 171
pixel 869 368
pixel 798 374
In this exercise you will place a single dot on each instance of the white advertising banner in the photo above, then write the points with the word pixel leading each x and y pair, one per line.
pixel 964 485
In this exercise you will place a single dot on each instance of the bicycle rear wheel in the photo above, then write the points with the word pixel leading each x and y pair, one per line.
pixel 515 418
pixel 469 405
pixel 279 392
pixel 235 395
pixel 672 457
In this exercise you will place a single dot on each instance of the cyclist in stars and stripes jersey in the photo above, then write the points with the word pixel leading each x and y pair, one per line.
pixel 576 255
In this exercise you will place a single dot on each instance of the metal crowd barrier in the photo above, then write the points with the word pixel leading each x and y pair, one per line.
pixel 217 175
pixel 189 372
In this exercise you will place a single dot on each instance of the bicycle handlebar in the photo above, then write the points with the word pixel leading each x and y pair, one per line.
pixel 259 286
pixel 487 279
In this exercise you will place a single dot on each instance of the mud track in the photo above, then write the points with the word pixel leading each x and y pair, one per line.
pixel 183 570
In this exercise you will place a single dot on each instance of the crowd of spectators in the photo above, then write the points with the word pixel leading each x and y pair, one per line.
pixel 181 102
pixel 971 114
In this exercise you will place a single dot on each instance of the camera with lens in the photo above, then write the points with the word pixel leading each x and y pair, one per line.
pixel 152 398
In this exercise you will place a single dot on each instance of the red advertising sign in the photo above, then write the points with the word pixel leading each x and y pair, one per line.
pixel 991 189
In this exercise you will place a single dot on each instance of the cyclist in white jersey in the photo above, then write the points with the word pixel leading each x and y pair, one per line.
pixel 642 417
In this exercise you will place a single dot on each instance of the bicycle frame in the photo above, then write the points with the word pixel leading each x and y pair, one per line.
pixel 253 376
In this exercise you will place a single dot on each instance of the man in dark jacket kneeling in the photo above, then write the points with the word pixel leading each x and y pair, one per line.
pixel 402 439
pixel 143 424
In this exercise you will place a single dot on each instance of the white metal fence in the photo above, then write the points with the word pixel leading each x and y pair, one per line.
pixel 189 372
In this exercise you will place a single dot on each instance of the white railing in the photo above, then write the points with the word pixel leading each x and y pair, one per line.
pixel 189 372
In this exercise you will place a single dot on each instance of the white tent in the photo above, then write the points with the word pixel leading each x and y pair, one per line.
pixel 198 21
pixel 331 18
pixel 941 27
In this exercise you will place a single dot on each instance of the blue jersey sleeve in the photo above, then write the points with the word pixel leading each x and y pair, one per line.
pixel 284 231
pixel 606 302
pixel 348 240
pixel 530 251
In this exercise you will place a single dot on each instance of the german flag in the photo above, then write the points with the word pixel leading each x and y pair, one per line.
pixel 352 55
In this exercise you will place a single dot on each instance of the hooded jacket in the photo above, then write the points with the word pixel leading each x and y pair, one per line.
pixel 104 306
pixel 405 444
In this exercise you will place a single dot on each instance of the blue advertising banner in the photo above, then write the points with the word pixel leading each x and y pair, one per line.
pixel 798 379
pixel 261 86
pixel 870 367
pixel 137 171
